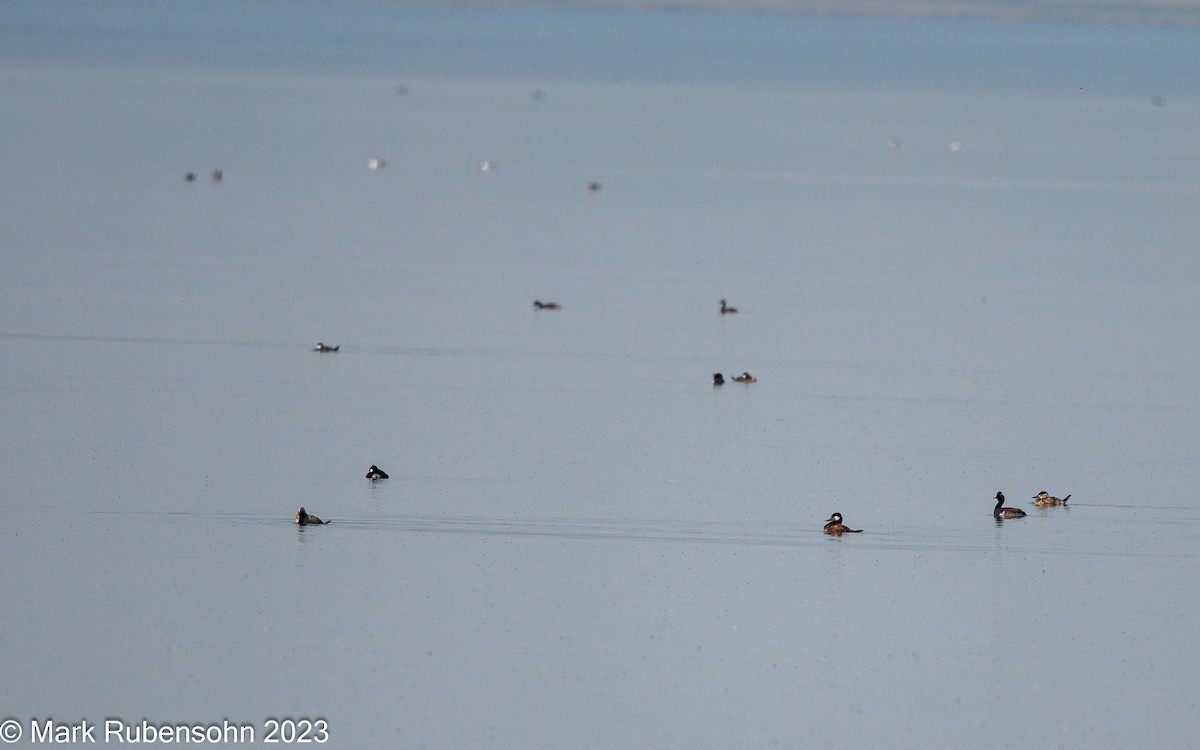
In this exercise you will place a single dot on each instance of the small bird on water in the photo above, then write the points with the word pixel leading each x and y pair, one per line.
pixel 1044 498
pixel 1000 512
pixel 304 518
pixel 835 526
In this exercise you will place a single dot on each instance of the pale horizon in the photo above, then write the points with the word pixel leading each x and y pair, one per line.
pixel 1141 13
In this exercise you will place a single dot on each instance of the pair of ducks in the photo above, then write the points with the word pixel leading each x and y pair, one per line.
pixel 833 526
pixel 304 518
pixel 745 377
pixel 1042 499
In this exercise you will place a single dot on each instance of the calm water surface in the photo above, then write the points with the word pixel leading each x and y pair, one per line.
pixel 583 542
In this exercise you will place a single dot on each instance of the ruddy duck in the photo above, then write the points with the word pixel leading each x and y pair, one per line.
pixel 745 377
pixel 539 305
pixel 325 347
pixel 835 526
pixel 304 518
pixel 718 379
pixel 1000 512
pixel 726 309
pixel 1044 498
pixel 376 473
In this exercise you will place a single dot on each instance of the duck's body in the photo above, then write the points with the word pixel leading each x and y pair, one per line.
pixel 539 305
pixel 326 347
pixel 726 309
pixel 304 518
pixel 1044 499
pixel 1002 512
pixel 745 377
pixel 376 473
pixel 835 526
pixel 718 379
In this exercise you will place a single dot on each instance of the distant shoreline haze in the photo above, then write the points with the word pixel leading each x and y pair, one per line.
pixel 1128 12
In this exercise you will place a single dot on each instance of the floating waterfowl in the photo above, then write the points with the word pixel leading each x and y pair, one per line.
pixel 1044 499
pixel 376 473
pixel 1001 512
pixel 835 526
pixel 718 379
pixel 304 518
pixel 326 347
pixel 539 305
pixel 726 309
pixel 593 187
pixel 745 377
pixel 376 163
pixel 217 175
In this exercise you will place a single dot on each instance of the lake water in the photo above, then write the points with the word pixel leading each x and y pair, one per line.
pixel 583 543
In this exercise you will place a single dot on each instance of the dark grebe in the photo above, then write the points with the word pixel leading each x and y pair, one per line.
pixel 375 472
pixel 1044 498
pixel 1000 512
pixel 538 305
pixel 718 379
pixel 304 518
pixel 726 309
pixel 326 347
pixel 835 526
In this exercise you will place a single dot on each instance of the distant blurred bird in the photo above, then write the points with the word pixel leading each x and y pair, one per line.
pixel 718 379
pixel 726 309
pixel 539 305
pixel 745 377
pixel 325 347
pixel 376 473
pixel 304 518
